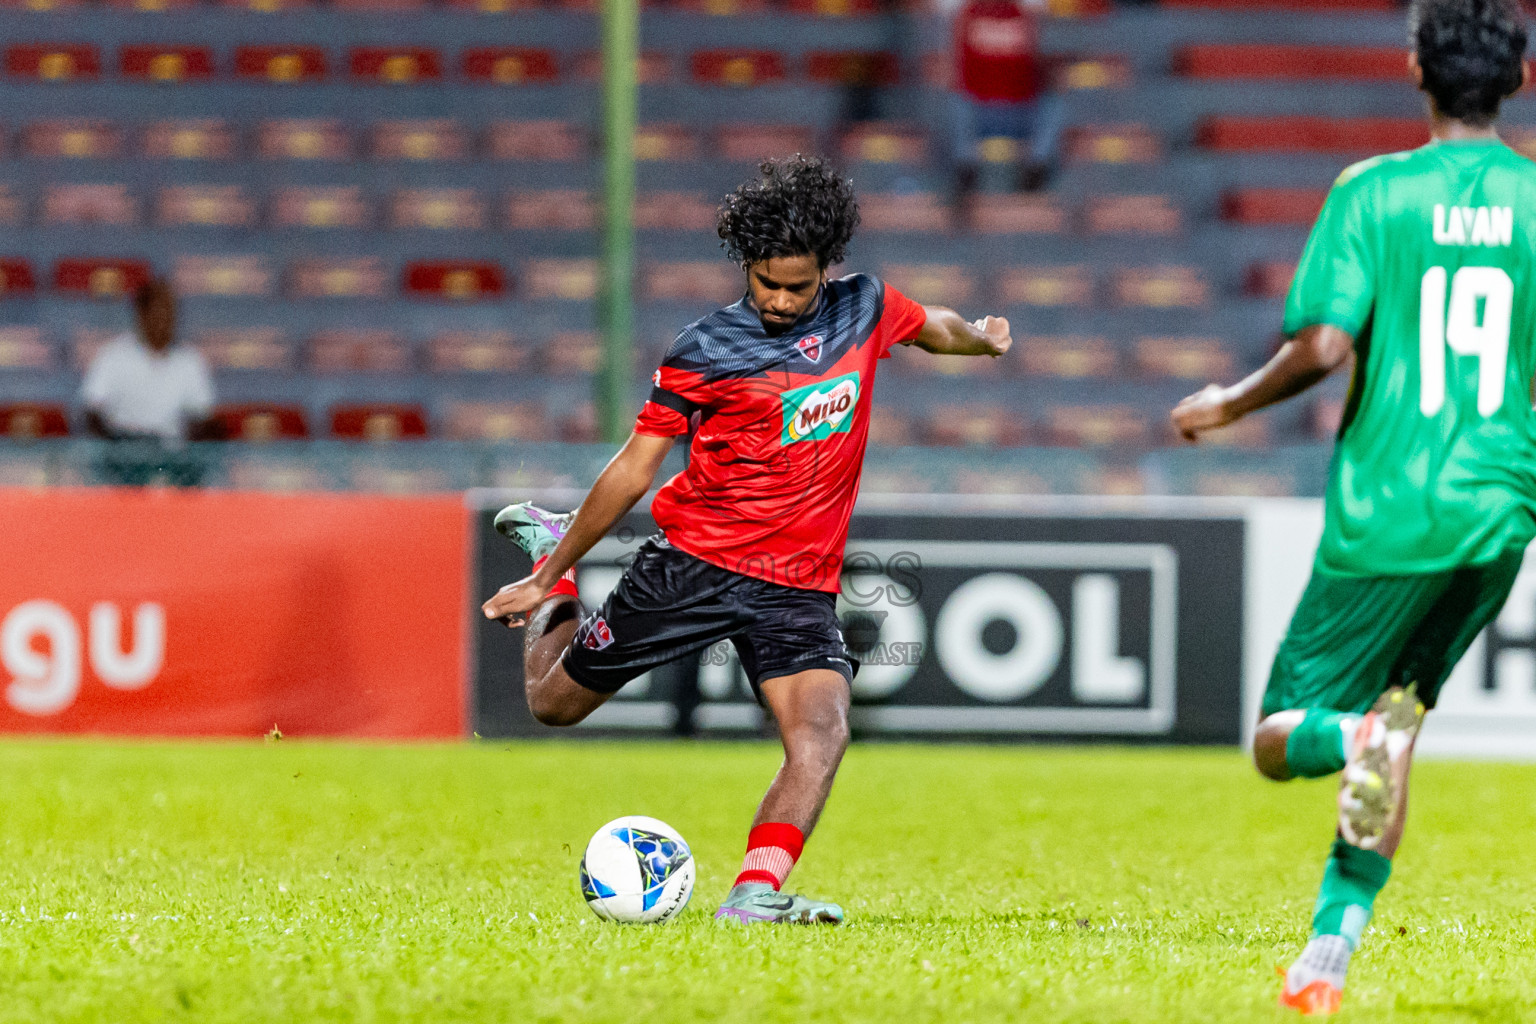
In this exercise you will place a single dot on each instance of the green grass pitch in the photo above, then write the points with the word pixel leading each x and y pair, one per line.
pixel 300 882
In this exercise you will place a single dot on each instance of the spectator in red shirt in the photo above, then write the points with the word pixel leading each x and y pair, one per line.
pixel 1002 90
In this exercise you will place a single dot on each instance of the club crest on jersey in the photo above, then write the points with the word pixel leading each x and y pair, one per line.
pixel 595 634
pixel 810 347
pixel 820 410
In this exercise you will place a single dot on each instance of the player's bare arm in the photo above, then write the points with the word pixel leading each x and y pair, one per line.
pixel 1311 355
pixel 948 333
pixel 623 482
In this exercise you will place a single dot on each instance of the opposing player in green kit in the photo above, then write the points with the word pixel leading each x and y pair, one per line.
pixel 1423 264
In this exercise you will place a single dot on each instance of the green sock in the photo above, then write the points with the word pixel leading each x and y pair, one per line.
pixel 1351 881
pixel 1316 746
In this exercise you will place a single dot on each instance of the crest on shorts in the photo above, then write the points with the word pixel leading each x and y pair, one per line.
pixel 595 634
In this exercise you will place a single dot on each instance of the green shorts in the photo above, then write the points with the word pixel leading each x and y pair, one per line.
pixel 1353 637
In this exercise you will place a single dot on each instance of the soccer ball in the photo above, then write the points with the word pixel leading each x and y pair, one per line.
pixel 637 870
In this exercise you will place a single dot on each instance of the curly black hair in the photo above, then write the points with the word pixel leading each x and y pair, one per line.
pixel 1472 53
pixel 798 206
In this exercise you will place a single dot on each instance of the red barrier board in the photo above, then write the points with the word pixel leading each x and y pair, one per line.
pixel 223 614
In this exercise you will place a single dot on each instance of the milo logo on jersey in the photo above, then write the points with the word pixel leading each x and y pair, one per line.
pixel 819 410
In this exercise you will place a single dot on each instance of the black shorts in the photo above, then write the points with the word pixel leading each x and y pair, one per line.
pixel 669 604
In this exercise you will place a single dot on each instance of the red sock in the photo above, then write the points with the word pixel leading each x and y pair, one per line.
pixel 772 849
pixel 566 584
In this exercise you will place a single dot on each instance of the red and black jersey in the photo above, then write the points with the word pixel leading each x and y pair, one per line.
pixel 782 421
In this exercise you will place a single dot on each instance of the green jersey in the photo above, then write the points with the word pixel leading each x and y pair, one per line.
pixel 1428 258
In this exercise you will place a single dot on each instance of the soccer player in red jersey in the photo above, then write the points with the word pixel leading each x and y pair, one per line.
pixel 775 391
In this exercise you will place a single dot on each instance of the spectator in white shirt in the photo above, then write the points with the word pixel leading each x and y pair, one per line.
pixel 144 386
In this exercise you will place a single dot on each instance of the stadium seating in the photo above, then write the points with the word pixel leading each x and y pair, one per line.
pixel 378 422
pixel 395 203
pixel 262 422
pixel 28 422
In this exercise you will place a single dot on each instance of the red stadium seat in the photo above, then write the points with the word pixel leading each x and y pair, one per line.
pixel 975 425
pixel 16 277
pixel 72 139
pixel 23 348
pixel 99 278
pixel 1163 287
pixel 330 206
pixel 494 6
pixel 111 205
pixel 476 352
pixel 224 276
pixel 263 349
pixel 223 206
pixel 11 207
pixel 712 281
pixel 713 8
pixel 260 421
pixel 437 209
pixel 572 354
pixel 876 142
pixel 433 139
pixel 64 62
pixel 1521 140
pixel 1097 426
pixel 1133 215
pixel 874 68
pixel 932 283
pixel 1312 134
pixel 1081 74
pixel 381 6
pixel 353 278
pixel 1276 61
pixel 578 425
pixel 378 422
pixel 1123 143
pixel 166 63
pixel 1071 357
pixel 569 280
pixel 1070 285
pixel 908 212
pixel 189 140
pixel 655 67
pixel 153 5
pixel 1325 417
pixel 834 8
pixel 267 6
pixel 1201 360
pixel 28 421
pixel 1018 215
pixel 282 64
pixel 496 421
pixel 552 210
pixel 509 65
pixel 537 140
pixel 922 364
pixel 1269 279
pixel 308 139
pixel 359 351
pixel 750 143
pixel 889 425
pixel 455 280
pixel 1079 8
pixel 41 6
pixel 1293 207
pixel 86 344
pixel 1285 5
pixel 1248 432
pixel 387 65
pixel 666 143
pixel 674 211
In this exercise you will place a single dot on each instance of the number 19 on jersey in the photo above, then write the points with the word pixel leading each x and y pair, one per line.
pixel 1461 329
